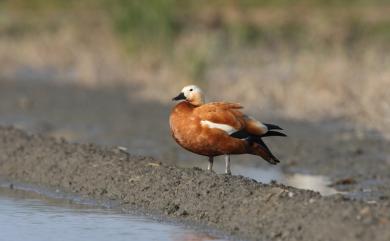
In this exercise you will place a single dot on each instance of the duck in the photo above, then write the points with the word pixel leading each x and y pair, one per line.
pixel 218 128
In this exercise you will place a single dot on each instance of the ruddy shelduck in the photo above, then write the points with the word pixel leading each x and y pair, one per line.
pixel 218 128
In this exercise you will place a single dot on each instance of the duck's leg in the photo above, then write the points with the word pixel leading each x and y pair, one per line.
pixel 211 161
pixel 227 161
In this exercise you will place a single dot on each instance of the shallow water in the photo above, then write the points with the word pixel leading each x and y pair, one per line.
pixel 316 183
pixel 26 216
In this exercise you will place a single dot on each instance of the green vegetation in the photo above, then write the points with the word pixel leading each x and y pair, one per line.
pixel 191 35
pixel 146 22
pixel 160 22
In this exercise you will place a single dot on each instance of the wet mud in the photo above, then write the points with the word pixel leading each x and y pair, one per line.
pixel 236 205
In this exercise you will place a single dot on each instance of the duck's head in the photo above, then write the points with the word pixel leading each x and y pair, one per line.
pixel 192 94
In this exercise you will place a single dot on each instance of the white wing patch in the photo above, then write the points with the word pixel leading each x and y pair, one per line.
pixel 226 128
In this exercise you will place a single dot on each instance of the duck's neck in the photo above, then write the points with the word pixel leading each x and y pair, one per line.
pixel 193 105
pixel 197 100
pixel 185 106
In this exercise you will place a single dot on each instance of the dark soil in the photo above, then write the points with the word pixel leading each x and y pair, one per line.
pixel 234 204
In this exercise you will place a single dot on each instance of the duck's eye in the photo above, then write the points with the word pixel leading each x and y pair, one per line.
pixel 191 89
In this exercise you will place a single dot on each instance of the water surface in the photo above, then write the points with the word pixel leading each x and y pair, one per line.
pixel 26 216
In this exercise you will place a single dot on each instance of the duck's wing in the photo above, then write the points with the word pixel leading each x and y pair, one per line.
pixel 221 115
pixel 229 113
pixel 229 118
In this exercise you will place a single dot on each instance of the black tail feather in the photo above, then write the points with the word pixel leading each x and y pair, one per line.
pixel 273 127
pixel 242 134
pixel 273 133
pixel 273 159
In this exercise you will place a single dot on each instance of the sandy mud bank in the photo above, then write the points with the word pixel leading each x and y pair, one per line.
pixel 234 204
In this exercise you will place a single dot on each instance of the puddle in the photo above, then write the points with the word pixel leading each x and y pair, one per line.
pixel 29 216
pixel 366 190
pixel 316 183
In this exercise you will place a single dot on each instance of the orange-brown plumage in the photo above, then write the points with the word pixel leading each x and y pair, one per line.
pixel 187 130
pixel 216 128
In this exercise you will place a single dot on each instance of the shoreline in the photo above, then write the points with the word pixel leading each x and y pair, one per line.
pixel 235 205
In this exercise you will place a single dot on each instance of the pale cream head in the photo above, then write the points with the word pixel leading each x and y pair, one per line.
pixel 191 93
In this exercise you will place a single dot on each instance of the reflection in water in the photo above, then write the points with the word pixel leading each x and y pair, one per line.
pixel 26 217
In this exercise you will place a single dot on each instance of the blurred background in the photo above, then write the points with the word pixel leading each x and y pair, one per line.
pixel 105 71
pixel 305 59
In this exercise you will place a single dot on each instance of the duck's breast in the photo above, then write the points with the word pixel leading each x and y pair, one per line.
pixel 184 127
